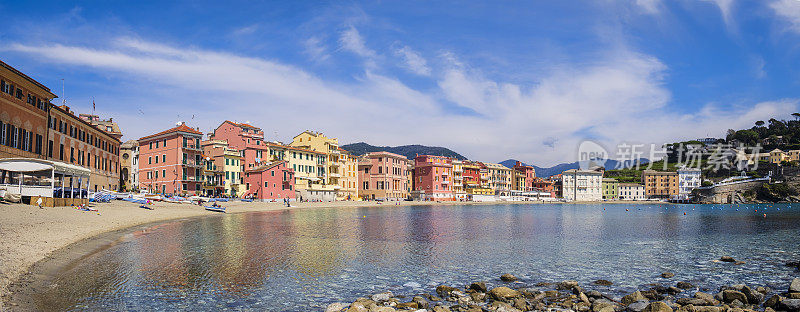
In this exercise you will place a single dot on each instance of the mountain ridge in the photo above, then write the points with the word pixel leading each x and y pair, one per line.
pixel 409 151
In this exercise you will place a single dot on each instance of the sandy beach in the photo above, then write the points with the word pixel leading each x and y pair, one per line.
pixel 31 234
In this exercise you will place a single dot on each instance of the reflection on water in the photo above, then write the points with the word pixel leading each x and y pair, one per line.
pixel 293 260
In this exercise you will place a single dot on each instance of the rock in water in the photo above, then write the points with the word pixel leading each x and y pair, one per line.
pixel 567 285
pixel 508 278
pixel 421 302
pixel 478 286
pixel 685 285
pixel 503 293
pixel 728 296
pixel 382 296
pixel 727 259
pixel 444 291
pixel 667 275
pixel 636 296
pixel 657 306
pixel 638 306
pixel 792 305
pixel 795 286
pixel 336 307
pixel 603 282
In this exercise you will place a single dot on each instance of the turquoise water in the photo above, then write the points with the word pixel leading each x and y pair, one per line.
pixel 304 259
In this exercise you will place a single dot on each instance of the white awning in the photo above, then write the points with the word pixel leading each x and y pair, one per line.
pixel 32 165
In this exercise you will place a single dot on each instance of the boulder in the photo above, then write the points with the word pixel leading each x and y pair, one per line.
pixel 407 305
pixel 567 285
pixel 441 309
pixel 444 291
pixel 420 301
pixel 692 301
pixel 707 309
pixel 603 282
pixel 336 307
pixel 657 306
pixel 795 285
pixel 791 305
pixel 478 286
pixel 600 304
pixel 753 297
pixel 727 259
pixel 709 299
pixel 793 295
pixel 773 301
pixel 508 278
pixel 594 294
pixel 385 296
pixel 382 309
pixel 638 306
pixel 667 275
pixel 583 298
pixel 636 296
pixel 503 293
pixel 685 285
pixel 729 296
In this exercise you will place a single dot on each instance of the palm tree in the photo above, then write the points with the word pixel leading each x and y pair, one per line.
pixel 796 116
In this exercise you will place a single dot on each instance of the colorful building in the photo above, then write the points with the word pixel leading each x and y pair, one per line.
pixel 657 184
pixel 458 180
pixel 309 172
pixel 383 176
pixel 75 141
pixel 582 185
pixel 24 117
pixel 542 185
pixel 610 189
pixel 524 177
pixel 129 165
pixel 330 171
pixel 107 125
pixel 170 162
pixel 348 182
pixel 270 182
pixel 501 178
pixel 433 178
pixel 243 137
pixel 230 161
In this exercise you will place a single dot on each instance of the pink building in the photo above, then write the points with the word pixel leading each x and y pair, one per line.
pixel 528 174
pixel 243 137
pixel 433 177
pixel 273 181
pixel 170 162
pixel 383 176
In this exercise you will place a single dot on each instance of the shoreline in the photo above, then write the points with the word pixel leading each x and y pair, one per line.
pixel 65 233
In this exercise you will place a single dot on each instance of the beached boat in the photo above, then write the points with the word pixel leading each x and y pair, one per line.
pixel 215 209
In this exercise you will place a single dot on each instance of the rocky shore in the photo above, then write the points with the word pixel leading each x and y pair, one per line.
pixel 569 296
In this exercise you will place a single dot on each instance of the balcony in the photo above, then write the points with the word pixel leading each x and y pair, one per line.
pixel 445 182
pixel 458 178
pixel 193 147
pixel 192 163
pixel 458 170
pixel 191 179
pixel 334 175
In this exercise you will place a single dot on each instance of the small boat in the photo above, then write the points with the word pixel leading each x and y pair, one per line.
pixel 146 207
pixel 247 200
pixel 215 209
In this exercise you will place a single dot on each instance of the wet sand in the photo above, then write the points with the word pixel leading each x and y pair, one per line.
pixel 31 234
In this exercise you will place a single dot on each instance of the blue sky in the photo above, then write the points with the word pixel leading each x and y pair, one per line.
pixel 493 80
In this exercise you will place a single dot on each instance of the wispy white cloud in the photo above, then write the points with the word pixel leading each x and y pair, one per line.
pixel 620 96
pixel 246 30
pixel 413 61
pixel 789 12
pixel 649 6
pixel 726 10
pixel 316 49
pixel 352 41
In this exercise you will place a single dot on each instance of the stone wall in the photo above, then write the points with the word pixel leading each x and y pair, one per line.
pixel 726 194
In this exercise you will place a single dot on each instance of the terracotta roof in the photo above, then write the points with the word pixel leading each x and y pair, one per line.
pixel 182 128
pixel 294 148
pixel 242 124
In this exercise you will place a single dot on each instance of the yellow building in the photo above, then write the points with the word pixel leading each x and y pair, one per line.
pixel 329 167
pixel 348 182
pixel 458 180
pixel 500 178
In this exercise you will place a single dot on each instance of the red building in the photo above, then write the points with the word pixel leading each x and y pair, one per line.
pixel 543 185
pixel 246 138
pixel 528 173
pixel 271 181
pixel 170 162
pixel 433 177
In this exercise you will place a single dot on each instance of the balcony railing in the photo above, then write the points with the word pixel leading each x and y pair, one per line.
pixel 192 163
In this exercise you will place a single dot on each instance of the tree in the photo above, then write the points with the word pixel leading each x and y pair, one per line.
pixel 760 123
pixel 796 116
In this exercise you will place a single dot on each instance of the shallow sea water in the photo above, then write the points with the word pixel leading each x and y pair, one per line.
pixel 302 260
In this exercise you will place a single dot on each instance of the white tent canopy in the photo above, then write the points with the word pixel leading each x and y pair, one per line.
pixel 31 165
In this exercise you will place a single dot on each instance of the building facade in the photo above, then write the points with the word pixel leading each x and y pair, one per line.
pixel 383 176
pixel 129 165
pixel 24 116
pixel 658 184
pixel 330 171
pixel 270 182
pixel 170 162
pixel 688 180
pixel 524 177
pixel 610 189
pixel 500 178
pixel 107 125
pixel 231 163
pixel 458 180
pixel 433 178
pixel 632 191
pixel 348 182
pixel 75 141
pixel 582 185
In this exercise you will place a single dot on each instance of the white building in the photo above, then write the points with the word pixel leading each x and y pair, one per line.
pixel 631 191
pixel 582 185
pixel 688 180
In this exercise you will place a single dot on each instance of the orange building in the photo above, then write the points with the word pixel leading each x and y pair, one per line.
pixel 23 118
pixel 659 184
pixel 170 162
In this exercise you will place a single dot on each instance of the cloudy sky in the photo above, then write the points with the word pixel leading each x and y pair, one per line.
pixel 492 80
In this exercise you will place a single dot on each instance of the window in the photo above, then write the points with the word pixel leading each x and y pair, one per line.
pixel 163 173
pixel 272 172
pixel 151 145
pixel 164 158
